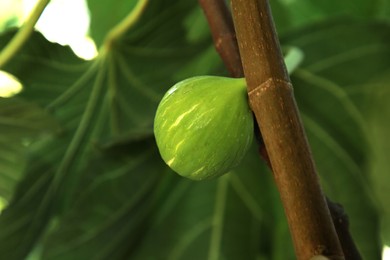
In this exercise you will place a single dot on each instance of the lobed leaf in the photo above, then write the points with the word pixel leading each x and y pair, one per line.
pixel 99 104
pixel 334 106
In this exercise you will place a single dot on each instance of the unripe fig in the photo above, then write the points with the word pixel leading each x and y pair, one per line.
pixel 203 126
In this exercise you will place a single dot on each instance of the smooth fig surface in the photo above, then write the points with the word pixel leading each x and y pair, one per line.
pixel 204 126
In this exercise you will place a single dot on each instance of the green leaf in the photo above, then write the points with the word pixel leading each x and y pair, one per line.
pixel 379 126
pixel 20 123
pixel 332 88
pixel 112 210
pixel 228 218
pixel 292 14
pixel 103 102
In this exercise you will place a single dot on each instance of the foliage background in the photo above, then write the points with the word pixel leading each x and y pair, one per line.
pixel 80 172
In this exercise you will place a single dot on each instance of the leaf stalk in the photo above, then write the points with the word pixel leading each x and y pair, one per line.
pixel 121 28
pixel 23 34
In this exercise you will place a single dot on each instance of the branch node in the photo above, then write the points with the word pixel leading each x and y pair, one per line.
pixel 268 84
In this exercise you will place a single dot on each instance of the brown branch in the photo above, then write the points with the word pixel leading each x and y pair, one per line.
pixel 221 24
pixel 272 100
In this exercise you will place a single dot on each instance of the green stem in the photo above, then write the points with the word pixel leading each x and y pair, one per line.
pixel 23 34
pixel 126 23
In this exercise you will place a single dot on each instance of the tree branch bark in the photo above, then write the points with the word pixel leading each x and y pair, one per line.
pixel 222 29
pixel 272 101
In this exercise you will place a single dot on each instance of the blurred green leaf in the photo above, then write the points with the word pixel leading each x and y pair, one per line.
pixel 96 102
pixel 230 217
pixel 105 15
pixel 333 102
pixel 380 164
pixel 20 123
pixel 292 14
pixel 19 118
pixel 112 210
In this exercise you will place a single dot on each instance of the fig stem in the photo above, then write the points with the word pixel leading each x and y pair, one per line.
pixel 23 34
pixel 272 101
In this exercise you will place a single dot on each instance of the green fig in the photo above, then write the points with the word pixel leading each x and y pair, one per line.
pixel 204 126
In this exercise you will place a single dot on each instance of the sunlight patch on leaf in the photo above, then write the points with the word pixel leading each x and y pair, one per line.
pixel 9 85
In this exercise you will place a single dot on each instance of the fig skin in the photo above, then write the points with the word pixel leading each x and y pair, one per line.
pixel 204 126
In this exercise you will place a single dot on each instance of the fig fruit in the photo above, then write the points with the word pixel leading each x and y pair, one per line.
pixel 204 126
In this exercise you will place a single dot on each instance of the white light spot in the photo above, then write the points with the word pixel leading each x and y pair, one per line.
pixel 65 22
pixel 386 253
pixel 9 85
pixel 85 48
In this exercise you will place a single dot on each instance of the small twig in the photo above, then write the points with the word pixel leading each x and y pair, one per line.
pixel 222 29
pixel 23 34
pixel 341 223
pixel 272 101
